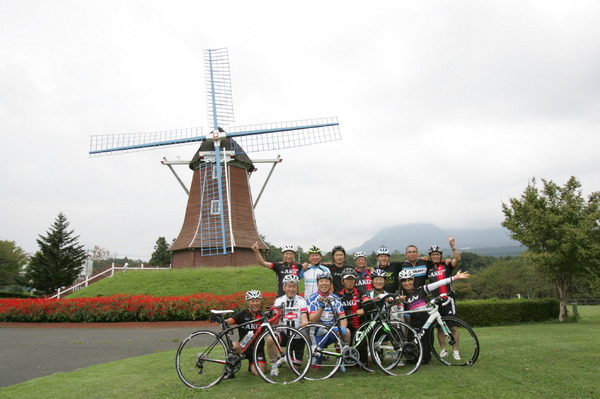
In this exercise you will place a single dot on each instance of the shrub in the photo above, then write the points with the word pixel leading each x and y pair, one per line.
pixel 498 312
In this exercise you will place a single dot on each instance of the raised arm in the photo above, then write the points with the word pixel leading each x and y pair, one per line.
pixel 259 257
pixel 455 252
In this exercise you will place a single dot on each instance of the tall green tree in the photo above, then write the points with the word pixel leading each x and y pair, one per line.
pixel 12 259
pixel 561 231
pixel 161 255
pixel 59 259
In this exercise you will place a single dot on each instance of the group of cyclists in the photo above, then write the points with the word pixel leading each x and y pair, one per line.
pixel 335 290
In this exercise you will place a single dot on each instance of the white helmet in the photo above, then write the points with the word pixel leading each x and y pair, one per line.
pixel 383 251
pixel 290 278
pixel 253 294
pixel 289 248
pixel 405 273
pixel 360 254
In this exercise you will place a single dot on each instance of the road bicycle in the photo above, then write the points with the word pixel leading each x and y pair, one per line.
pixel 464 341
pixel 388 345
pixel 205 358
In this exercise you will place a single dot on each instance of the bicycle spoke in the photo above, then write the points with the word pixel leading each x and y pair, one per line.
pixel 200 360
pixel 326 348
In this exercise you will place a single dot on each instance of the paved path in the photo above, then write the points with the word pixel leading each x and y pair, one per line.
pixel 28 351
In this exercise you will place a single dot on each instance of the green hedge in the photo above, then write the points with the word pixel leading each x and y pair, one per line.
pixel 500 312
pixel 9 294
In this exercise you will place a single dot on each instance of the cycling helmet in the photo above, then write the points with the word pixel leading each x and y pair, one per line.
pixel 383 251
pixel 314 250
pixel 348 272
pixel 289 248
pixel 360 254
pixel 253 294
pixel 338 248
pixel 290 278
pixel 378 273
pixel 405 273
pixel 324 275
pixel 434 248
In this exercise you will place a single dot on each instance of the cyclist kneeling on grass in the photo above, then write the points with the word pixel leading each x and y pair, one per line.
pixel 416 299
pixel 294 313
pixel 322 305
pixel 254 311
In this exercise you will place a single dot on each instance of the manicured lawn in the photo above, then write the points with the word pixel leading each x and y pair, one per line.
pixel 544 360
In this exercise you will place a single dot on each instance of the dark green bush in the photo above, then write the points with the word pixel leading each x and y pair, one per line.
pixel 500 312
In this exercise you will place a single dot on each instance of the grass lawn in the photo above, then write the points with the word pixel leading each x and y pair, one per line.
pixel 178 282
pixel 546 360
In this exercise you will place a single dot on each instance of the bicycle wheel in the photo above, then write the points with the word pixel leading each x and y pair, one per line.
pixel 292 350
pixel 396 349
pixel 457 336
pixel 326 347
pixel 200 359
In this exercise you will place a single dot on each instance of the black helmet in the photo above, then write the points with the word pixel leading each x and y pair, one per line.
pixel 338 248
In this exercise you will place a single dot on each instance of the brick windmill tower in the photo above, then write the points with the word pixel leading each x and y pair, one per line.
pixel 219 227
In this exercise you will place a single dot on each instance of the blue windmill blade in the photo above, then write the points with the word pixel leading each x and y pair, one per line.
pixel 217 77
pixel 281 135
pixel 107 144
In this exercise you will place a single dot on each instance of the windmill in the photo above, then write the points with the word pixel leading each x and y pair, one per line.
pixel 219 218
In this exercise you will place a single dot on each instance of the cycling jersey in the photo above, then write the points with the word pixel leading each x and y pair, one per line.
pixel 364 279
pixel 328 309
pixel 244 316
pixel 419 271
pixel 337 274
pixel 293 308
pixel 310 279
pixel 391 277
pixel 351 301
pixel 282 269
pixel 416 299
pixel 437 272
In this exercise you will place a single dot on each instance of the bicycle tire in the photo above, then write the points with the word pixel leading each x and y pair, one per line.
pixel 367 342
pixel 325 361
pixel 201 359
pixel 468 344
pixel 295 358
pixel 396 348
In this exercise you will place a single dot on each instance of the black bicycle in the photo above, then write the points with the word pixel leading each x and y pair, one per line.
pixel 393 347
pixel 204 358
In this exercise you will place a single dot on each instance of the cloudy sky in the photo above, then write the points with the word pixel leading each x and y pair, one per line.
pixel 446 108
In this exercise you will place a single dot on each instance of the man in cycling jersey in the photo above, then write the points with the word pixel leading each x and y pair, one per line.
pixel 414 299
pixel 440 270
pixel 391 269
pixel 294 313
pixel 337 267
pixel 312 269
pixel 363 275
pixel 323 305
pixel 281 269
pixel 352 298
pixel 254 312
pixel 416 265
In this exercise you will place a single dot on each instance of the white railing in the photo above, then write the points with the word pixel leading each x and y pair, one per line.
pixel 99 276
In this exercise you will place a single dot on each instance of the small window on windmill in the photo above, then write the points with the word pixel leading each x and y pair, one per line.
pixel 214 172
pixel 215 207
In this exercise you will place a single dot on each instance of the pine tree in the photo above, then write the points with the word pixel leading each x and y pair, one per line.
pixel 161 255
pixel 59 260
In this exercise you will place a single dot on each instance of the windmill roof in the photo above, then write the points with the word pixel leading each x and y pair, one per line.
pixel 240 158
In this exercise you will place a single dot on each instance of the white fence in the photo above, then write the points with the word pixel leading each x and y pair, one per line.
pixel 99 276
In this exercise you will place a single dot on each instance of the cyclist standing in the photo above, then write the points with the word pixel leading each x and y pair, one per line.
pixel 414 298
pixel 254 312
pixel 416 265
pixel 336 269
pixel 312 269
pixel 391 269
pixel 281 269
pixel 294 313
pixel 363 274
pixel 439 270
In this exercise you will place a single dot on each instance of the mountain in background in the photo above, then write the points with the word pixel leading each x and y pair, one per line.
pixel 493 242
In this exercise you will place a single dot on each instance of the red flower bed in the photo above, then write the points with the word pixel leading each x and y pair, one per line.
pixel 121 308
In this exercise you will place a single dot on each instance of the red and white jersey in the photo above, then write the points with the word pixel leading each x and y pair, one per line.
pixel 292 309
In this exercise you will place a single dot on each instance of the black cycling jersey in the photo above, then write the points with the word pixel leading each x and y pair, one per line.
pixel 391 277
